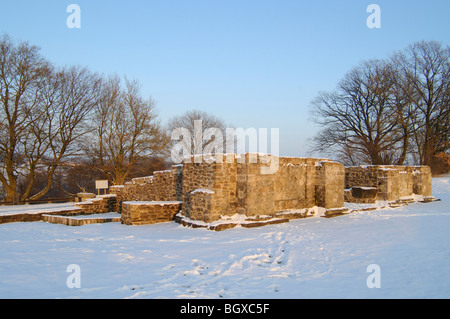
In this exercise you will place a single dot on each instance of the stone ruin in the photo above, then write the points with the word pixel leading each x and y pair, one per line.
pixel 206 194
pixel 247 190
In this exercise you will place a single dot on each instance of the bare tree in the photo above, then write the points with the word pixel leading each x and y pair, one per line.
pixel 360 119
pixel 196 123
pixel 42 113
pixel 425 70
pixel 384 112
pixel 125 129
pixel 22 74
pixel 76 93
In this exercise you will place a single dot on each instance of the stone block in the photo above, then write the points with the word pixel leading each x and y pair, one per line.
pixel 149 212
pixel 361 194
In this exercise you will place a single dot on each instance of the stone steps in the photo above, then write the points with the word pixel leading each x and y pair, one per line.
pixel 80 220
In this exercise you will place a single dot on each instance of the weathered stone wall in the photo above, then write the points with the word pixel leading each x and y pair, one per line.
pixel 422 180
pixel 34 217
pixel 162 186
pixel 361 195
pixel 256 191
pixel 196 176
pixel 201 203
pixel 294 183
pixel 217 185
pixel 149 212
pixel 242 186
pixel 70 221
pixel 391 182
pixel 99 204
pixel 330 181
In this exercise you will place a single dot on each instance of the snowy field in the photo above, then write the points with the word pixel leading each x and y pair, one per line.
pixel 305 258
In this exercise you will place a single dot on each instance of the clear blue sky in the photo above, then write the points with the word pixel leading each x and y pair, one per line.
pixel 255 63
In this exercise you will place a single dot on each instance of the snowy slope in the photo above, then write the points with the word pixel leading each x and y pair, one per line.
pixel 306 258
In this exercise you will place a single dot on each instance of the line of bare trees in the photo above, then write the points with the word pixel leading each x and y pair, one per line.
pixel 54 118
pixel 391 111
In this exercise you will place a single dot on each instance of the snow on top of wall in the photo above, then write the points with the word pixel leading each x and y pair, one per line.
pixel 162 203
pixel 321 162
pixel 162 172
pixel 202 190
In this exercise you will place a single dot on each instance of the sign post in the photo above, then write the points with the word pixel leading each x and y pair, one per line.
pixel 101 184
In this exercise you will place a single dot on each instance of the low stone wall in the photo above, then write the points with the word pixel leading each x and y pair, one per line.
pixel 162 186
pixel 201 201
pixel 392 182
pixel 361 195
pixel 98 205
pixel 30 217
pixel 71 221
pixel 149 212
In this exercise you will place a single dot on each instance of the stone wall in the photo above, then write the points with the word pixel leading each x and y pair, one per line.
pixel 34 217
pixel 391 182
pixel 99 204
pixel 256 191
pixel 200 205
pixel 213 183
pixel 71 221
pixel 294 183
pixel 149 212
pixel 209 190
pixel 246 184
pixel 212 190
pixel 241 184
pixel 330 181
pixel 162 186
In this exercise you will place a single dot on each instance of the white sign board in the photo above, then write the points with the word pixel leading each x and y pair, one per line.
pixel 101 184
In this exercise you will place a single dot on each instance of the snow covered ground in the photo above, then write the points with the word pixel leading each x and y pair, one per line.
pixel 305 258
pixel 36 209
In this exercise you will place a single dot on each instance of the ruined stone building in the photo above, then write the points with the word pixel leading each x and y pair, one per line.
pixel 248 190
pixel 207 191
